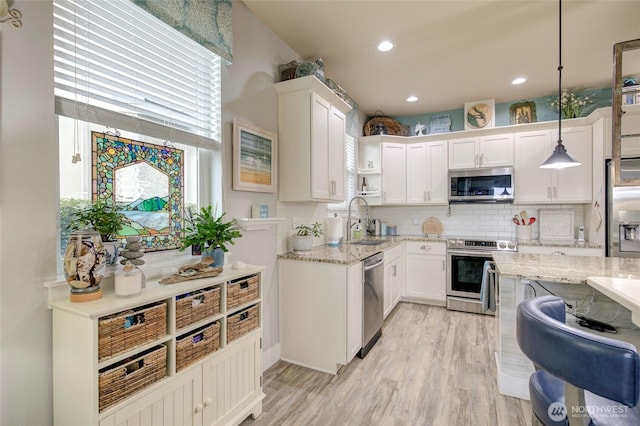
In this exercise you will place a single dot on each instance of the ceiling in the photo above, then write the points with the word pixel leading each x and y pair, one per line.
pixel 451 52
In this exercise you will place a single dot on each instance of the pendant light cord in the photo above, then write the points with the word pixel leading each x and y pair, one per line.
pixel 560 71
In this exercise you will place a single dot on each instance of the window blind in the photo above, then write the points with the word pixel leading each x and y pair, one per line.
pixel 112 56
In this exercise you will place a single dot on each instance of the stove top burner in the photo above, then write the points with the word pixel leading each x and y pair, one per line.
pixel 486 245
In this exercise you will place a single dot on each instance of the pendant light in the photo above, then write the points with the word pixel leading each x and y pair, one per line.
pixel 559 158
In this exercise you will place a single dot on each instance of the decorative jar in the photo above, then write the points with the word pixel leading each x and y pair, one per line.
pixel 84 265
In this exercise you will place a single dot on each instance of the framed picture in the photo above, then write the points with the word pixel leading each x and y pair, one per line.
pixel 523 112
pixel 479 114
pixel 255 158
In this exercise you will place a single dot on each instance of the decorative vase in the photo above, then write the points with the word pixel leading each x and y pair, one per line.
pixel 84 265
pixel 111 249
pixel 302 242
pixel 214 253
pixel 128 281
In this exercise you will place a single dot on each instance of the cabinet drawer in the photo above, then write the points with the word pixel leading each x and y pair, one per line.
pixel 425 247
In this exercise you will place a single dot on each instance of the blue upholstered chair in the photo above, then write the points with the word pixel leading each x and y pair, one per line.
pixel 576 370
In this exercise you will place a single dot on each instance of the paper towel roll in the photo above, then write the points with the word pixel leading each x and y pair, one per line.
pixel 333 230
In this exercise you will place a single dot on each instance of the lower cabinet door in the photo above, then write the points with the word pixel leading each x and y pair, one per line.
pixel 229 394
pixel 176 403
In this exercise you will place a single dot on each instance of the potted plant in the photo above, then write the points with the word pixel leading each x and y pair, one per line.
pixel 106 220
pixel 211 233
pixel 303 240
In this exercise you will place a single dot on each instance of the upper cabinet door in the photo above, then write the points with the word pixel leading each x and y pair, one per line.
pixel 417 170
pixel 496 151
pixel 394 183
pixel 437 173
pixel 337 143
pixel 573 185
pixel 463 153
pixel 532 184
pixel 320 144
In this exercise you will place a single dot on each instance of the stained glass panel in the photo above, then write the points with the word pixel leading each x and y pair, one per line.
pixel 146 182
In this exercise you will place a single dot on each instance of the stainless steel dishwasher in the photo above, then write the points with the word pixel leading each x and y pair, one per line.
pixel 372 301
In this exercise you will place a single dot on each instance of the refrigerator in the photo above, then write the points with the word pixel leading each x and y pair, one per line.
pixel 623 210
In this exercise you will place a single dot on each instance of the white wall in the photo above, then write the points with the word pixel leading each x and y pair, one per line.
pixel 248 94
pixel 28 200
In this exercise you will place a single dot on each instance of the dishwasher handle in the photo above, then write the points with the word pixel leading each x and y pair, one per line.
pixel 375 265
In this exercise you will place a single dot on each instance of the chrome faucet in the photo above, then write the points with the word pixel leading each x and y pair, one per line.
pixel 366 217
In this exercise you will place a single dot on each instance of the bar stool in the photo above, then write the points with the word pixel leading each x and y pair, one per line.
pixel 569 362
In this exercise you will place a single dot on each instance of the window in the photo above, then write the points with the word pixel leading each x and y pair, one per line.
pixel 118 69
pixel 351 173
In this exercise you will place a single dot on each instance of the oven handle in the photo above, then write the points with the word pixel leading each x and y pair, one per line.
pixel 493 283
pixel 470 253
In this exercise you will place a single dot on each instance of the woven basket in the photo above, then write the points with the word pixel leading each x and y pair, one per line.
pixel 197 306
pixel 242 322
pixel 127 330
pixel 387 125
pixel 129 376
pixel 242 291
pixel 197 344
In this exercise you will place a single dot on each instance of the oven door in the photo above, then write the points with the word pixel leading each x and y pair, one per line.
pixel 464 273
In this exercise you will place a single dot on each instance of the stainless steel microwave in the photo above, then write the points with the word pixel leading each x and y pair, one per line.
pixel 481 185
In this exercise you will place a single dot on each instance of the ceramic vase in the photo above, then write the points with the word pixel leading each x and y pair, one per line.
pixel 216 254
pixel 84 265
pixel 111 250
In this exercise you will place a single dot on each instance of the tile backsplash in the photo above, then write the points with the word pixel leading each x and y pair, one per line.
pixel 471 220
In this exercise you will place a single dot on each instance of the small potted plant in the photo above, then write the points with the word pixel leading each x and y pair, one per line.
pixel 211 233
pixel 303 240
pixel 106 220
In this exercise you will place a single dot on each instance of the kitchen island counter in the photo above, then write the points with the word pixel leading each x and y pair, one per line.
pixel 518 274
pixel 564 269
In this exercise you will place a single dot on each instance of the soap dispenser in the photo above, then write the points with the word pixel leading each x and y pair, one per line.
pixel 358 232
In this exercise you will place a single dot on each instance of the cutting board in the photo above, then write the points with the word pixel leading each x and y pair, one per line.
pixel 432 226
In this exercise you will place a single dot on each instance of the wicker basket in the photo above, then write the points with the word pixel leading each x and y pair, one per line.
pixel 197 344
pixel 197 306
pixel 242 322
pixel 129 376
pixel 242 291
pixel 385 125
pixel 126 330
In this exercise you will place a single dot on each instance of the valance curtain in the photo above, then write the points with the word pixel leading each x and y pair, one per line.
pixel 208 22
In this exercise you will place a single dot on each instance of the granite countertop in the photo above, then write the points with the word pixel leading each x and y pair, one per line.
pixel 564 269
pixel 559 243
pixel 348 253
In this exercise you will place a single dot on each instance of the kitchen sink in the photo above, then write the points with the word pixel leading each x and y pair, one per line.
pixel 369 242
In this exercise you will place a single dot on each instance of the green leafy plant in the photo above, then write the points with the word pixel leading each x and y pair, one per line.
pixel 205 229
pixel 306 230
pixel 103 218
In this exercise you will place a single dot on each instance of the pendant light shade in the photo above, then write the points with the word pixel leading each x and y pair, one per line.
pixel 559 158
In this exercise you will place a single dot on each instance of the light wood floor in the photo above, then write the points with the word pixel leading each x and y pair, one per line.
pixel 431 367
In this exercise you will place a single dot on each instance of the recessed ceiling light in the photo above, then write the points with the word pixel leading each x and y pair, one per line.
pixel 518 80
pixel 412 98
pixel 384 46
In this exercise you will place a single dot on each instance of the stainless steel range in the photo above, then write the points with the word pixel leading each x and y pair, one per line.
pixel 466 271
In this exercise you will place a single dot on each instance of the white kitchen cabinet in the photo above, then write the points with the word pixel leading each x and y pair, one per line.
pixel 392 278
pixel 394 174
pixel 320 313
pixel 212 393
pixel 425 272
pixel 221 387
pixel 536 185
pixel 483 151
pixel 427 173
pixel 312 135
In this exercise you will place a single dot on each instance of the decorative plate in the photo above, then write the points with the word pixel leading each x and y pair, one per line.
pixel 479 114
